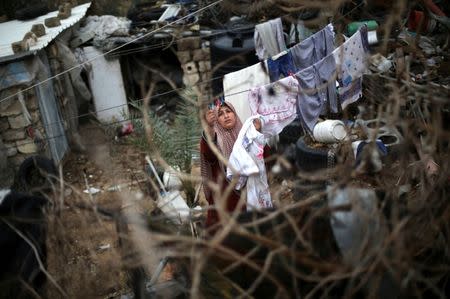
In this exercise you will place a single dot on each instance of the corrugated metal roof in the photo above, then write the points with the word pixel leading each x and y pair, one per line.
pixel 15 30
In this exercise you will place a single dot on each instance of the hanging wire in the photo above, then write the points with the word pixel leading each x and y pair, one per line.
pixel 112 50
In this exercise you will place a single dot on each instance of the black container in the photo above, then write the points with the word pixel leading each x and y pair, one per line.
pixel 237 41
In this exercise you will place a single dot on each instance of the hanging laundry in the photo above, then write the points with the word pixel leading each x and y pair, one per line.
pixel 317 91
pixel 237 85
pixel 276 103
pixel 247 159
pixel 269 39
pixel 298 32
pixel 280 66
pixel 314 48
pixel 352 60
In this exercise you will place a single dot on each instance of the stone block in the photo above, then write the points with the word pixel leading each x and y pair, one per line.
pixel 38 29
pixel 201 66
pixel 204 66
pixel 184 56
pixel 206 54
pixel 189 43
pixel 35 116
pixel 13 135
pixel 10 149
pixel 4 124
pixel 32 102
pixel 17 122
pixel 17 159
pixel 208 65
pixel 206 77
pixel 52 22
pixel 26 146
pixel 191 79
pixel 14 109
pixel 198 55
pixel 189 68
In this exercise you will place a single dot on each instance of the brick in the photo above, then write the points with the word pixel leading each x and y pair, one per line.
pixel 26 146
pixel 189 68
pixel 184 56
pixel 12 135
pixel 189 43
pixel 17 122
pixel 14 109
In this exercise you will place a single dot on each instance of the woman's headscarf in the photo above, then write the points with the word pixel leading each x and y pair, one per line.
pixel 226 137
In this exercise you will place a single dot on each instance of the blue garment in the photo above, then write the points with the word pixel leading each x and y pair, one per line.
pixel 281 67
pixel 317 89
pixel 314 48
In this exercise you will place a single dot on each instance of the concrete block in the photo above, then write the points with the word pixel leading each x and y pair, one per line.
pixel 189 43
pixel 13 135
pixel 189 68
pixel 17 122
pixel 26 146
pixel 184 56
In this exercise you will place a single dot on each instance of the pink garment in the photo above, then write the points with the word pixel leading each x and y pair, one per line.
pixel 276 103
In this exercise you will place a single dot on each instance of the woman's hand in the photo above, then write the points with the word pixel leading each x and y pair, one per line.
pixel 257 124
pixel 210 118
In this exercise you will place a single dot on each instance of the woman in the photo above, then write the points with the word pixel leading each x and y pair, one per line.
pixel 223 128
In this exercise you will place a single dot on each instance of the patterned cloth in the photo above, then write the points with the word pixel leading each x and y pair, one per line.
pixel 351 60
pixel 247 160
pixel 276 103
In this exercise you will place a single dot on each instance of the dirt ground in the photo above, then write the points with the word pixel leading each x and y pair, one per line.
pixel 83 246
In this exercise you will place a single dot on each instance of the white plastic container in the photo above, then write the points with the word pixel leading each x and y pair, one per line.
pixel 329 131
pixel 174 206
pixel 171 203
